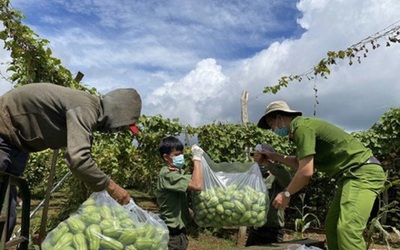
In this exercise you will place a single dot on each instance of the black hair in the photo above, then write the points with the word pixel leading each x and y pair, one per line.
pixel 168 144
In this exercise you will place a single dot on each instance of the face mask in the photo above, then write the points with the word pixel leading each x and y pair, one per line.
pixel 281 131
pixel 178 161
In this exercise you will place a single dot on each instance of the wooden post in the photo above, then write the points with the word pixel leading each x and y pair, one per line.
pixel 187 139
pixel 42 230
pixel 244 100
pixel 79 76
pixel 245 119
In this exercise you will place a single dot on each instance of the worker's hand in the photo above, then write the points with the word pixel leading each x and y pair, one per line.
pixel 118 193
pixel 281 201
pixel 266 154
pixel 197 153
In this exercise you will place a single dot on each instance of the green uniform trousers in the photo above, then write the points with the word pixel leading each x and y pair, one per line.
pixel 351 207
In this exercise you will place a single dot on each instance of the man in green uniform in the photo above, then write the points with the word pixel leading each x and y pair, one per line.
pixel 172 187
pixel 40 116
pixel 277 178
pixel 329 149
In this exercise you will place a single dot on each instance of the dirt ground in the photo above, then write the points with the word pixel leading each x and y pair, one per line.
pixel 230 241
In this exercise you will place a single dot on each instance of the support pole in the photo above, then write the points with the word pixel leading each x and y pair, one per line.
pixel 42 230
pixel 244 101
pixel 245 119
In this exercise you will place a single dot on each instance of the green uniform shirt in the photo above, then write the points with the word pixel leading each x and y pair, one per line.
pixel 172 197
pixel 333 149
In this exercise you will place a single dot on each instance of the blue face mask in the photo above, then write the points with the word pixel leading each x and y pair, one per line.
pixel 281 131
pixel 178 161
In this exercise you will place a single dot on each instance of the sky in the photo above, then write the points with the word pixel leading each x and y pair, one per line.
pixel 192 59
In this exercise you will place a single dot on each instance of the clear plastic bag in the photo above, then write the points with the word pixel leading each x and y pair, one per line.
pixel 234 194
pixel 102 223
pixel 301 247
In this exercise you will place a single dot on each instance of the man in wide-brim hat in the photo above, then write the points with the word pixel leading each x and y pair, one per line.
pixel 329 149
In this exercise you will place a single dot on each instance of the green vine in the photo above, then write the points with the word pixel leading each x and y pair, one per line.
pixel 354 52
pixel 136 164
pixel 31 60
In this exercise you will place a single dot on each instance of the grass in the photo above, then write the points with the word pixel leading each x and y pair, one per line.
pixel 205 240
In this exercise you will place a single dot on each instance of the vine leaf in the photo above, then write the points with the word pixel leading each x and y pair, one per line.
pixel 391 33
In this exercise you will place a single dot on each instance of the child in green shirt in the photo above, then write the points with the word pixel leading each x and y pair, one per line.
pixel 172 186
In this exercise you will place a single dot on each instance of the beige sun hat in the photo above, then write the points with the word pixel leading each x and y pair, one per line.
pixel 272 107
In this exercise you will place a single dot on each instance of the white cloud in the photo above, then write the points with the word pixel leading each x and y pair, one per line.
pixel 354 96
pixel 192 96
pixel 162 49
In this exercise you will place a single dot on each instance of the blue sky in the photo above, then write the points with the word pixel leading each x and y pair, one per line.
pixel 192 59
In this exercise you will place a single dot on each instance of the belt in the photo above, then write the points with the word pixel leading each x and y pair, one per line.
pixel 176 231
pixel 372 160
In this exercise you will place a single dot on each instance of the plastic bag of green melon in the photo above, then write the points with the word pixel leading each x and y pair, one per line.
pixel 234 194
pixel 102 223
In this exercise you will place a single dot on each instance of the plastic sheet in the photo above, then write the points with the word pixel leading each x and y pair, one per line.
pixel 102 223
pixel 234 194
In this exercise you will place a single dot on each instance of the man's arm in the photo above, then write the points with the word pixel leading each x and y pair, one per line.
pixel 303 175
pixel 288 160
pixel 196 183
pixel 80 124
pixel 300 180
